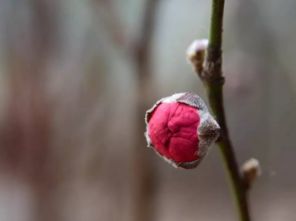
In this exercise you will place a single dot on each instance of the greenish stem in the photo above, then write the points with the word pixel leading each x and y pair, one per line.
pixel 215 95
pixel 214 80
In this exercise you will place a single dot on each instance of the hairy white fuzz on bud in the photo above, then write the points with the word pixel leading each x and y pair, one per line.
pixel 251 170
pixel 196 53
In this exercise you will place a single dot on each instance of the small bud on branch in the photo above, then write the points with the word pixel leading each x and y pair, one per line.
pixel 251 170
pixel 196 54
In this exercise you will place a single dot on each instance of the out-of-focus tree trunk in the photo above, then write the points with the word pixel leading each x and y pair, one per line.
pixel 27 133
pixel 145 173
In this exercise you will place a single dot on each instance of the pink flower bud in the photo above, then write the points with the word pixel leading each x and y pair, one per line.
pixel 180 129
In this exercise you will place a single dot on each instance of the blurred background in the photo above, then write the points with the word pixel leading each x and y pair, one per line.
pixel 76 78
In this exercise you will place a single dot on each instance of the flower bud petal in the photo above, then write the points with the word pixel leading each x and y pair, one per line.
pixel 180 129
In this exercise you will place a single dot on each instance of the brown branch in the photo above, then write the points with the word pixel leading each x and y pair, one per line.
pixel 213 80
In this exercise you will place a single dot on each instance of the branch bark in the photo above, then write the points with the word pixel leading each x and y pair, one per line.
pixel 213 79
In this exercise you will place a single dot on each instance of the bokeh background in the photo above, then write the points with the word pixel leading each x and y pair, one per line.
pixel 76 78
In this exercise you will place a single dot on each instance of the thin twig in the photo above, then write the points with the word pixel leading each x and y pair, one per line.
pixel 214 80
